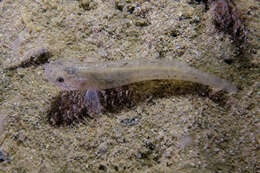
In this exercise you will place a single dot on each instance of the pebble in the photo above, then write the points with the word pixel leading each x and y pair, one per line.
pixel 2 156
pixel 130 121
pixel 2 123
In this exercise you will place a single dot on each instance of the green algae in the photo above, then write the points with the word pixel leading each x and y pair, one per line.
pixel 222 130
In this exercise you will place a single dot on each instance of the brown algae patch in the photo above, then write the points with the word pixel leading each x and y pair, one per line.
pixel 69 108
pixel 26 53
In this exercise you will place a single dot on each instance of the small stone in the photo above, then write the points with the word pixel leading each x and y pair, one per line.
pixel 102 167
pixel 119 5
pixel 2 156
pixel 130 121
pixel 2 123
pixel 88 4
pixel 142 22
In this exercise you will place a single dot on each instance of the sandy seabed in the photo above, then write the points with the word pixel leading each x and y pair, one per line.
pixel 177 127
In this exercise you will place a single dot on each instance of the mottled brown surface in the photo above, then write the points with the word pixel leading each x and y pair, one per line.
pixel 228 19
pixel 69 108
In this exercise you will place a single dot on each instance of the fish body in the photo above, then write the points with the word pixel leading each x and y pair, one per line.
pixel 72 75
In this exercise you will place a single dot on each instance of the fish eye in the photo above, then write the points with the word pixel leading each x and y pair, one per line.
pixel 60 79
